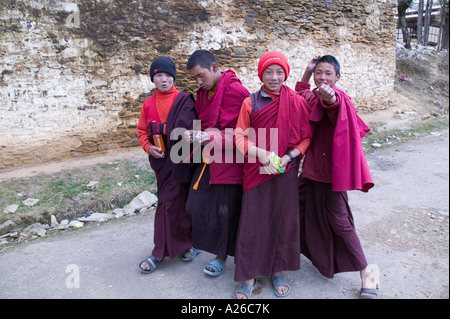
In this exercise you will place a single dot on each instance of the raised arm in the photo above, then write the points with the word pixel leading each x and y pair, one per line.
pixel 309 69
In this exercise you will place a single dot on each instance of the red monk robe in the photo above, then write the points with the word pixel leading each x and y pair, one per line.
pixel 220 111
pixel 269 223
pixel 172 227
pixel 334 164
pixel 215 205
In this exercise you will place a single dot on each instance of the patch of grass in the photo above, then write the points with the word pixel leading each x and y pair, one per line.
pixel 67 196
pixel 392 137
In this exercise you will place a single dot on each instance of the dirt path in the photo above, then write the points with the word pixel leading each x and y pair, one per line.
pixel 69 164
pixel 404 219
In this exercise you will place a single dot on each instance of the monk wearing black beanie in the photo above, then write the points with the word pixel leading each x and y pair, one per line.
pixel 163 64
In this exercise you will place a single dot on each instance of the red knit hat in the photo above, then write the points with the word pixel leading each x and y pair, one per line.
pixel 273 57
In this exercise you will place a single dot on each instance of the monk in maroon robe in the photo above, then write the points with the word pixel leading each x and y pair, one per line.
pixel 334 164
pixel 269 231
pixel 215 196
pixel 166 110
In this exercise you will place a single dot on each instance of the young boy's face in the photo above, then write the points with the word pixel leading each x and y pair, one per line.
pixel 205 78
pixel 163 81
pixel 325 73
pixel 273 78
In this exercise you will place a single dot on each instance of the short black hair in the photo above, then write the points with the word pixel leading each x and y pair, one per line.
pixel 203 58
pixel 332 60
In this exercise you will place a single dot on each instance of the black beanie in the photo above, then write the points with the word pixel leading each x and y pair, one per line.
pixel 163 64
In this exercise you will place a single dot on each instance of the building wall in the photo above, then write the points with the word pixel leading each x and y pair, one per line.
pixel 74 74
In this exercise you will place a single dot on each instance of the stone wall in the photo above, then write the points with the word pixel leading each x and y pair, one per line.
pixel 74 74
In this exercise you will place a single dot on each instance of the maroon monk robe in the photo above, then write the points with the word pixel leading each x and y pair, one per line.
pixel 221 111
pixel 334 163
pixel 349 169
pixel 172 227
pixel 327 235
pixel 215 206
pixel 269 230
pixel 289 114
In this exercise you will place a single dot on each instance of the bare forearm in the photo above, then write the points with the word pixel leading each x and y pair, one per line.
pixel 306 76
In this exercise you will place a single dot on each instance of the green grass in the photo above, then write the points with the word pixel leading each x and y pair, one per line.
pixel 67 196
pixel 392 137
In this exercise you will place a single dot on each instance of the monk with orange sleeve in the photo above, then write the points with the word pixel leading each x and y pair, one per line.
pixel 162 112
pixel 273 124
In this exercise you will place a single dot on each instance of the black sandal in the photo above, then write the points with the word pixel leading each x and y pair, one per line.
pixel 152 262
pixel 193 251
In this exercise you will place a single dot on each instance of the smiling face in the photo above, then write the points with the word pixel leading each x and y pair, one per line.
pixel 163 81
pixel 325 73
pixel 204 77
pixel 273 78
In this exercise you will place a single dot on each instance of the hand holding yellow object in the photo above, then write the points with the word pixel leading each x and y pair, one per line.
pixel 276 159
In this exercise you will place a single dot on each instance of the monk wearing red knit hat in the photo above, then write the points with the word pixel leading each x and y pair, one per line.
pixel 273 132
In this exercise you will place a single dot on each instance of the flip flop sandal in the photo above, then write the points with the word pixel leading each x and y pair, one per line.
pixel 279 281
pixel 372 293
pixel 193 251
pixel 217 267
pixel 152 264
pixel 245 289
pixel 369 293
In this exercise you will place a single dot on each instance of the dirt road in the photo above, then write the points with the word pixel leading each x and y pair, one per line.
pixel 403 223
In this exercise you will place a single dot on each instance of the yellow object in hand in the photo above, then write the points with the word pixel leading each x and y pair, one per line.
pixel 277 160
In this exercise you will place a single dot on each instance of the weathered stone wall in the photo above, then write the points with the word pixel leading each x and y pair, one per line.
pixel 74 74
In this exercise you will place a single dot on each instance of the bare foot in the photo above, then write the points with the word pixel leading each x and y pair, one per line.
pixel 370 278
pixel 216 259
pixel 280 289
pixel 239 295
pixel 145 266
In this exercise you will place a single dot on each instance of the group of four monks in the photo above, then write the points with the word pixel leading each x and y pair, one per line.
pixel 241 194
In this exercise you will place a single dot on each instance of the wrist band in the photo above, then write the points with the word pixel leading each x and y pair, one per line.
pixel 290 155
